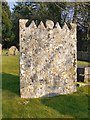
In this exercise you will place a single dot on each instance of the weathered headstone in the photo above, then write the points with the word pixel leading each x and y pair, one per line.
pixel 87 74
pixel 47 59
pixel 13 51
pixel 16 52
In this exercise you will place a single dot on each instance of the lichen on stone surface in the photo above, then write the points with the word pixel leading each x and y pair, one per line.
pixel 47 59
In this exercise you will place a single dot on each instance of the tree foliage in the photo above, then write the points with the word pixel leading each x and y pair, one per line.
pixel 41 11
pixel 6 24
pixel 58 12
pixel 82 18
pixel 83 22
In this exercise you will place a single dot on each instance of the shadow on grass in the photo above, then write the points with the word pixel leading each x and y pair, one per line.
pixel 72 105
pixel 11 83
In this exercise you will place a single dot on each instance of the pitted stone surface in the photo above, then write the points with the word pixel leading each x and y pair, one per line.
pixel 49 24
pixel 47 59
pixel 87 75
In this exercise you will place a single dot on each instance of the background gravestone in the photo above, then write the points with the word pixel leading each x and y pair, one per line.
pixel 87 74
pixel 47 59
pixel 13 51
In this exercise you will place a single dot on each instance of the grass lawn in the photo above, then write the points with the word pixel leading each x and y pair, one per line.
pixel 83 63
pixel 63 106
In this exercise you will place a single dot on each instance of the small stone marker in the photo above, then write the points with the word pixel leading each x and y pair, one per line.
pixel 13 51
pixel 87 74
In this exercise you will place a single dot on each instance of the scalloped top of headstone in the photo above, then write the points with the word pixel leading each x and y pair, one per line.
pixel 23 23
pixel 57 26
pixel 49 24
pixel 41 25
pixel 73 26
pixel 33 25
pixel 65 28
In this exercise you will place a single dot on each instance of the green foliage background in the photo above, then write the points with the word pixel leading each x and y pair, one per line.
pixel 41 11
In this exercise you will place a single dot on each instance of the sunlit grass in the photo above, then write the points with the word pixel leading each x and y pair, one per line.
pixel 83 63
pixel 63 106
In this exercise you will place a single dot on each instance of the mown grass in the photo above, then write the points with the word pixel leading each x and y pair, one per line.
pixel 63 106
pixel 83 63
pixel 4 52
